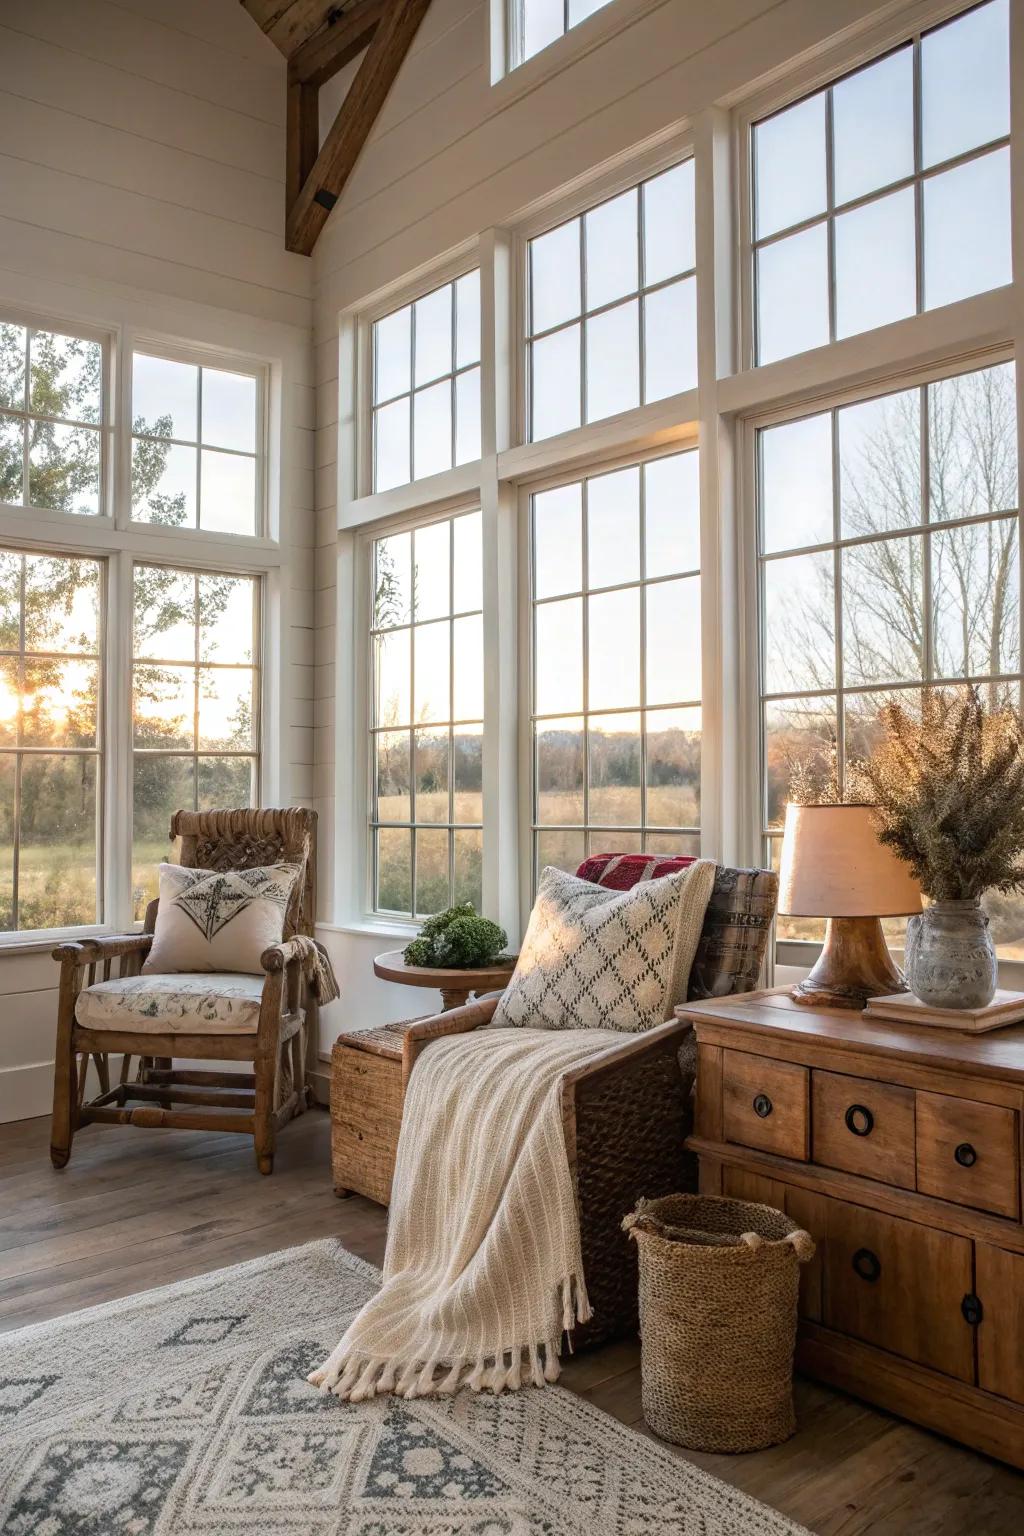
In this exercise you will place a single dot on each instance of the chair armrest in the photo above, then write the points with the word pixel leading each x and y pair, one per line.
pixel 87 951
pixel 277 956
pixel 456 1021
pixel 632 1045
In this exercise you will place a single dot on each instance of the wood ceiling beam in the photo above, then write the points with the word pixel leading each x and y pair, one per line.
pixel 290 23
pixel 341 40
pixel 322 186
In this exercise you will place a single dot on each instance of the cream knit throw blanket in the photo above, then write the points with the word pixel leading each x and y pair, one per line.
pixel 483 1272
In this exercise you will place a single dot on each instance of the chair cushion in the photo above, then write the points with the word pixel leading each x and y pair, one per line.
pixel 621 871
pixel 600 959
pixel 209 920
pixel 181 1004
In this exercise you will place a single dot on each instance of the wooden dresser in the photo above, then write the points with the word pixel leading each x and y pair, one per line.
pixel 900 1151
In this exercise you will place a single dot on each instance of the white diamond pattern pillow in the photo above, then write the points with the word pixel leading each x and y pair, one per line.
pixel 599 959
pixel 209 920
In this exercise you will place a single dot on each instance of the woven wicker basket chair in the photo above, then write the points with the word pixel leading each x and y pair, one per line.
pixel 627 1113
pixel 254 1103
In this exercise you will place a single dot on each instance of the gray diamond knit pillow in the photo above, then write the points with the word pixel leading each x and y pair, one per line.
pixel 599 959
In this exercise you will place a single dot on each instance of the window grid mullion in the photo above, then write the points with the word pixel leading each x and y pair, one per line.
pixel 585 604
pixel 837 601
pixel 830 200
pixel 928 624
pixel 643 653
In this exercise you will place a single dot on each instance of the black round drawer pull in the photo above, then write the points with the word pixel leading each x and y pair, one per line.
pixel 859 1120
pixel 965 1155
pixel 972 1309
pixel 866 1264
pixel 762 1106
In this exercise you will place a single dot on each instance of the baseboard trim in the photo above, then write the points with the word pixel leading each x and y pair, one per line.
pixel 26 1092
pixel 319 1079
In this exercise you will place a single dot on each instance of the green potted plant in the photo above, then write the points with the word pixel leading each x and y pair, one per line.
pixel 949 788
pixel 458 940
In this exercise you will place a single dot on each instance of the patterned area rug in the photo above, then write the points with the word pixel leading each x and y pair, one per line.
pixel 185 1411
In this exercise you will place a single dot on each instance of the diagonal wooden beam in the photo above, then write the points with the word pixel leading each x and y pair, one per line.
pixel 333 166
pixel 343 39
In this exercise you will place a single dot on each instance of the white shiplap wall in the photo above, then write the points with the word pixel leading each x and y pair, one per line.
pixel 142 162
pixel 453 155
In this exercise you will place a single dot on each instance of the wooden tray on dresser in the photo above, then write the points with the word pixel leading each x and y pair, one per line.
pixel 900 1150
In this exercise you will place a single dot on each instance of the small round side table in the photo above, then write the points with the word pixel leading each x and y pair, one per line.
pixel 454 985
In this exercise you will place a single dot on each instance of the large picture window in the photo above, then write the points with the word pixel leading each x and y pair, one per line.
pixel 889 539
pixel 51 740
pixel 51 420
pixel 887 193
pixel 616 663
pixel 427 683
pixel 195 446
pixel 613 306
pixel 426 385
pixel 195 693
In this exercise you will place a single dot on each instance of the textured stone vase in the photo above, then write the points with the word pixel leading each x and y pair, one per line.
pixel 950 960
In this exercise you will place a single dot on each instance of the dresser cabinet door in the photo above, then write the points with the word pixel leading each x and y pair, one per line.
pixel 863 1127
pixel 765 1104
pixel 1000 1288
pixel 899 1285
pixel 967 1152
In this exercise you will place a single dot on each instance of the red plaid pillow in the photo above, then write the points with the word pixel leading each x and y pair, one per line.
pixel 621 871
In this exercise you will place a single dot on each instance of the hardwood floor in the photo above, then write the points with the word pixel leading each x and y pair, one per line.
pixel 135 1209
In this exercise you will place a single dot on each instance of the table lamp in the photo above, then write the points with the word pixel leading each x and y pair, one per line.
pixel 833 866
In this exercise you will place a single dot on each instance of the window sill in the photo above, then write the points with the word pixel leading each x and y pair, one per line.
pixel 374 928
pixel 40 942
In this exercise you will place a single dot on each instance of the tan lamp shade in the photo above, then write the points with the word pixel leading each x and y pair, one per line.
pixel 834 866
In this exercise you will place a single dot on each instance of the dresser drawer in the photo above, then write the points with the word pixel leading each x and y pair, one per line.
pixel 765 1104
pixel 863 1127
pixel 900 1286
pixel 967 1152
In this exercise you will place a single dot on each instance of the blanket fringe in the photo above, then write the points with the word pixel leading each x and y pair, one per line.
pixel 355 1377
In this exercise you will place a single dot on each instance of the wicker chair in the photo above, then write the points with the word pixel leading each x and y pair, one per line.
pixel 626 1114
pixel 256 1103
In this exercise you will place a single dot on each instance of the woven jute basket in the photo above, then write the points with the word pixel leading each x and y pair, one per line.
pixel 718 1302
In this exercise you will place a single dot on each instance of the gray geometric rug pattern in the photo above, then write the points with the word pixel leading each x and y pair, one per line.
pixel 185 1411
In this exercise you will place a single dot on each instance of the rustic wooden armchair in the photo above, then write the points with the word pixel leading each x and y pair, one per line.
pixel 626 1113
pixel 274 1015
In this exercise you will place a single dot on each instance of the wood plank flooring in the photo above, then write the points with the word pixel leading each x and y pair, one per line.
pixel 135 1209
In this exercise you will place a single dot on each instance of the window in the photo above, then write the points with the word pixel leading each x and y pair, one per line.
pixel 51 740
pixel 889 539
pixel 535 24
pixel 887 193
pixel 426 385
pixel 195 696
pixel 51 420
pixel 427 720
pixel 195 446
pixel 612 306
pixel 616 673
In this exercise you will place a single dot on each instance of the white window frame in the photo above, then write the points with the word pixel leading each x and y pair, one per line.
pixel 915 378
pixel 831 65
pixel 513 75
pixel 528 827
pixel 732 398
pixel 200 357
pixel 366 863
pixel 356 326
pixel 119 542
pixel 62 325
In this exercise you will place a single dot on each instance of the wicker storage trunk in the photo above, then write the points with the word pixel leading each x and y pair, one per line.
pixel 718 1298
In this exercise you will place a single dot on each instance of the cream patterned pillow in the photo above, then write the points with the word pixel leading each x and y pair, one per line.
pixel 218 921
pixel 599 959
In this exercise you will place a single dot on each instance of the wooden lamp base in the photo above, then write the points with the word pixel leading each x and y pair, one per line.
pixel 854 965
